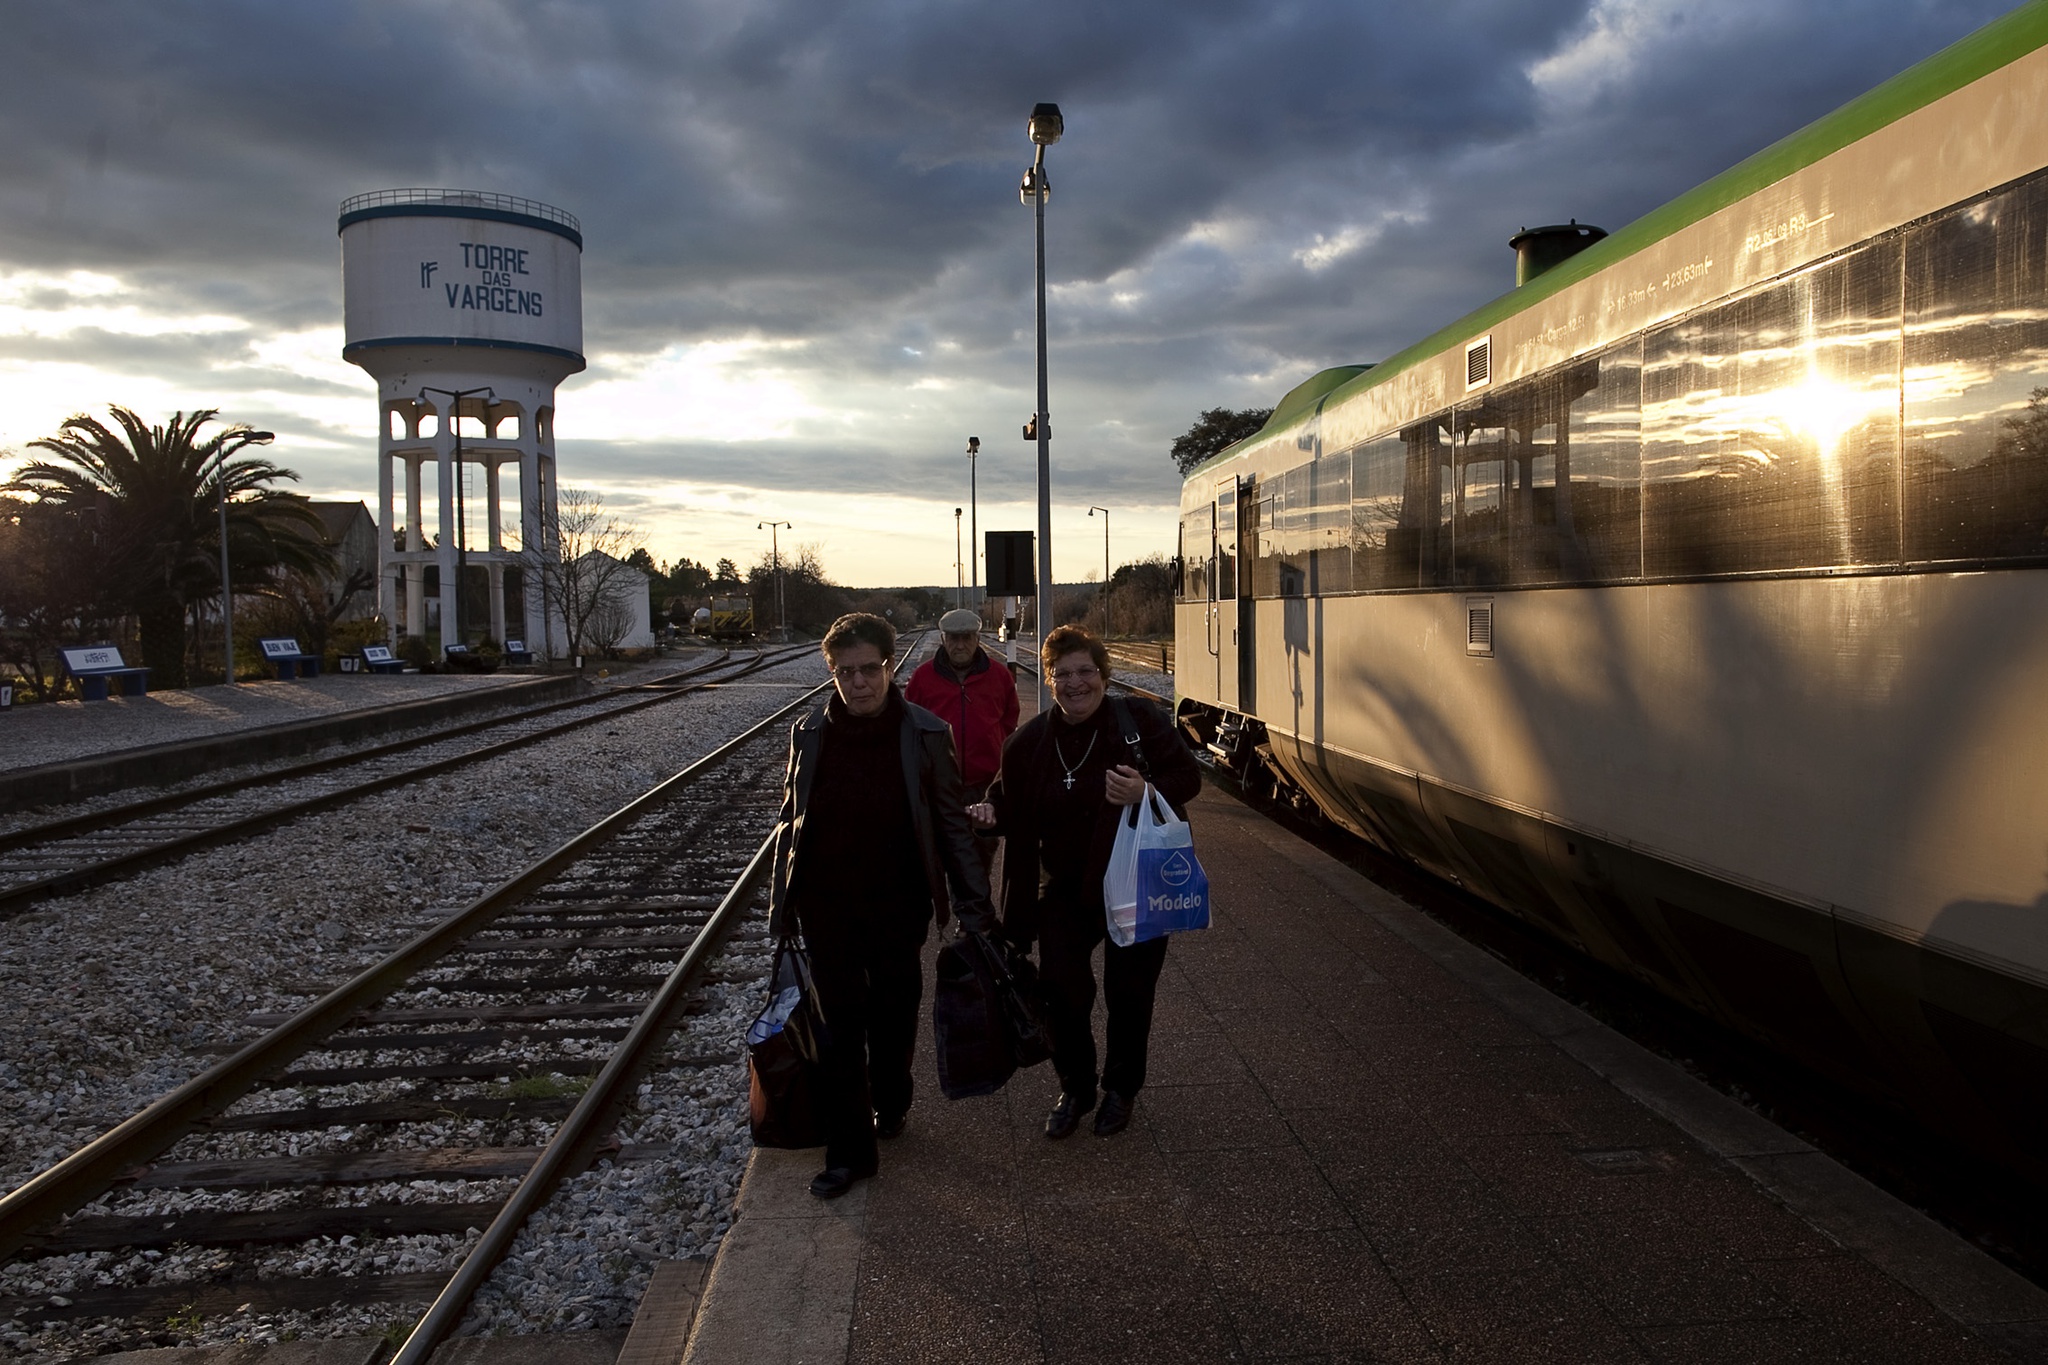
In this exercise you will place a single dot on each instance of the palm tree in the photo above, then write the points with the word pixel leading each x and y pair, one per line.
pixel 147 498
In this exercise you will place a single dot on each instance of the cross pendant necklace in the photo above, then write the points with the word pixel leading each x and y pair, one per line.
pixel 1075 766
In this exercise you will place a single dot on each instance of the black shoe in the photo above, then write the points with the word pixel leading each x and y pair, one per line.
pixel 1066 1115
pixel 830 1184
pixel 1114 1116
pixel 890 1127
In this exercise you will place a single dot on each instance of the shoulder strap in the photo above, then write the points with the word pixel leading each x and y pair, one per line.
pixel 1129 729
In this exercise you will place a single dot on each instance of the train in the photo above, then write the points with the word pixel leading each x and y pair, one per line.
pixel 724 618
pixel 1689 601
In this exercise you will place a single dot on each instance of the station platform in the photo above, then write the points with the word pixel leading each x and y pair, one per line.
pixel 65 750
pixel 1362 1140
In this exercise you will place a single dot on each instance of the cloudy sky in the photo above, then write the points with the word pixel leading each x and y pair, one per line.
pixel 807 275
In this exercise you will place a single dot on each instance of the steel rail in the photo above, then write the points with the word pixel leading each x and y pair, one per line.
pixel 570 1143
pixel 95 1168
pixel 12 898
pixel 67 826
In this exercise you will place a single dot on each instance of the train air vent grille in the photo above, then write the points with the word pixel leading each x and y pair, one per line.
pixel 1479 626
pixel 1478 362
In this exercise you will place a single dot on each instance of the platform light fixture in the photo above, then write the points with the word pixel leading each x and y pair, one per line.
pixel 973 524
pixel 1045 127
pixel 227 593
pixel 774 528
pixel 1105 566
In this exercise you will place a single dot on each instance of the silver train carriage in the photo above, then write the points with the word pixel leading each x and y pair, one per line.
pixel 1690 600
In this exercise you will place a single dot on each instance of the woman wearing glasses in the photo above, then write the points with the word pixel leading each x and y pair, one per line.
pixel 1067 777
pixel 872 839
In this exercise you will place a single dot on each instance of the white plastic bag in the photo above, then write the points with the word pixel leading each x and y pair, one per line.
pixel 1120 882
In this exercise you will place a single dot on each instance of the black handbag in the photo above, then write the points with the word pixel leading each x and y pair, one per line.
pixel 785 1056
pixel 1024 1012
pixel 986 1020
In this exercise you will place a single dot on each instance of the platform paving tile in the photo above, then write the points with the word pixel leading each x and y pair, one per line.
pixel 1347 1153
pixel 1308 1294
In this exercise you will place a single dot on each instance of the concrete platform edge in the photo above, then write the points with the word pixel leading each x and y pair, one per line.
pixel 781 1289
pixel 162 764
pixel 1957 1278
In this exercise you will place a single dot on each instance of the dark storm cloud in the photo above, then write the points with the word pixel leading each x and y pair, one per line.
pixel 845 176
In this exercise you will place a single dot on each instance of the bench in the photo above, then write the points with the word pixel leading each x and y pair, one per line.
pixel 379 659
pixel 99 668
pixel 289 660
pixel 516 652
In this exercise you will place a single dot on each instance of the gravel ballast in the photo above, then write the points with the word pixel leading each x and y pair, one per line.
pixel 120 993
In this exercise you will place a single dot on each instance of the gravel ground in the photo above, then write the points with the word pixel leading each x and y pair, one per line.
pixel 112 989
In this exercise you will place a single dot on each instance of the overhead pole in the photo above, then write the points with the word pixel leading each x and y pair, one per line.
pixel 1045 127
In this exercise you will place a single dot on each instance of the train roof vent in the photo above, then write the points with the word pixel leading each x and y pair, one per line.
pixel 1478 362
pixel 1479 626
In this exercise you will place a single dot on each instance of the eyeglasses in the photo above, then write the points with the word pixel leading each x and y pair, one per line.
pixel 1067 675
pixel 868 671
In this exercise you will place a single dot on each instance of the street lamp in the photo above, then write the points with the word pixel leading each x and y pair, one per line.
pixel 973 526
pixel 1045 127
pixel 455 397
pixel 1105 567
pixel 959 574
pixel 773 528
pixel 220 485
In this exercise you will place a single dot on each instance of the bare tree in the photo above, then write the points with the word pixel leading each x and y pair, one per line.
pixel 583 576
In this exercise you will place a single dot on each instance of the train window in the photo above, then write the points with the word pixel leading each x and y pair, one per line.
pixel 1770 426
pixel 1976 380
pixel 1431 451
pixel 1549 474
pixel 1294 522
pixel 1329 551
pixel 1197 543
pixel 1384 540
pixel 1490 492
pixel 1597 508
pixel 1226 543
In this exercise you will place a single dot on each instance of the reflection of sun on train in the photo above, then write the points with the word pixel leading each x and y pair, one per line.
pixel 724 618
pixel 1690 600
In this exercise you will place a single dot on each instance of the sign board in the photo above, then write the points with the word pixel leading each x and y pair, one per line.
pixel 515 646
pixel 85 660
pixel 281 649
pixel 351 664
pixel 376 654
pixel 446 272
pixel 1011 572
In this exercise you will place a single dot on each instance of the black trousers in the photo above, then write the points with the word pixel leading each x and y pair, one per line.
pixel 870 986
pixel 1067 935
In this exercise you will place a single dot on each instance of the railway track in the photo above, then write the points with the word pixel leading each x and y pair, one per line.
pixel 74 852
pixel 483 1063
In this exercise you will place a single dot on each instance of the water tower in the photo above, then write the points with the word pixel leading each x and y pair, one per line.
pixel 467 309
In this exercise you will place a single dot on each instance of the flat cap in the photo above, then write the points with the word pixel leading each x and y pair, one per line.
pixel 959 621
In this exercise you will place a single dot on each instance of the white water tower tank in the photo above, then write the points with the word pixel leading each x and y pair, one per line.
pixel 467 309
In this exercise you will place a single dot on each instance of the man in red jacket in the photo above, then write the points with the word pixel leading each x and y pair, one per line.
pixel 976 696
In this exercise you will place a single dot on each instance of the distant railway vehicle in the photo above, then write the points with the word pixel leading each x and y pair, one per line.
pixel 1690 600
pixel 724 618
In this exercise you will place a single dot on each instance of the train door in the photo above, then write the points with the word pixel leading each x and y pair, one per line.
pixel 1223 595
pixel 1245 551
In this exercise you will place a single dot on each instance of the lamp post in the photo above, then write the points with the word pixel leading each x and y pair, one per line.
pixel 959 573
pixel 775 552
pixel 1105 567
pixel 455 397
pixel 1044 127
pixel 227 596
pixel 973 526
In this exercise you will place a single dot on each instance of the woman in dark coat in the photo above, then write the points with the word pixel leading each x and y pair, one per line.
pixel 1067 778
